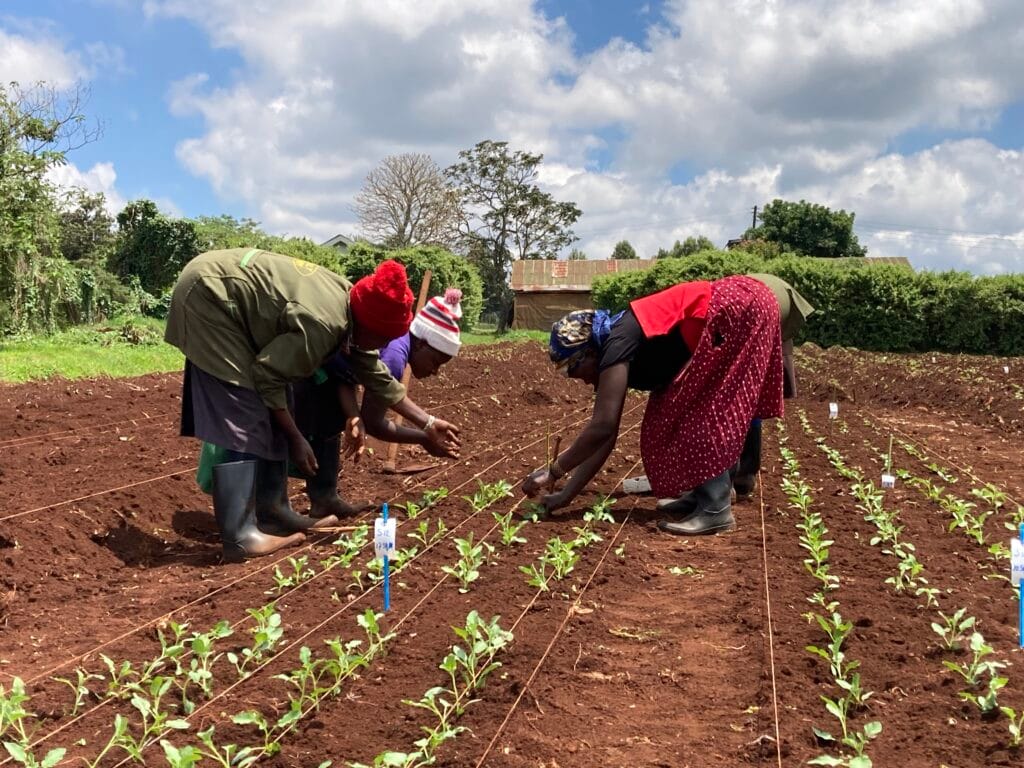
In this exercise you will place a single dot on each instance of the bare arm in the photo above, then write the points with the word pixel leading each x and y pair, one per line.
pixel 299 450
pixel 378 425
pixel 603 428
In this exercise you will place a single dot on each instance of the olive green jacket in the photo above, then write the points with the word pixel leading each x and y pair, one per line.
pixel 794 309
pixel 261 320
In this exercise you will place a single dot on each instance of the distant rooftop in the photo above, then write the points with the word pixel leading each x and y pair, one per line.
pixel 341 242
pixel 571 275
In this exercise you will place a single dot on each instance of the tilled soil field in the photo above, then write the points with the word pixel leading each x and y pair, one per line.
pixel 628 647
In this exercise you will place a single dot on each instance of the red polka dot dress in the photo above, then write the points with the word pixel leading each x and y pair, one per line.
pixel 694 429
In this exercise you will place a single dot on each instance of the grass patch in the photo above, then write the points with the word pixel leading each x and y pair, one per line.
pixel 120 347
pixel 489 336
pixel 133 346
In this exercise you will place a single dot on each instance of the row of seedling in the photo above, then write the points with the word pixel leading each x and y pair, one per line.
pixel 852 697
pixel 980 673
pixel 467 666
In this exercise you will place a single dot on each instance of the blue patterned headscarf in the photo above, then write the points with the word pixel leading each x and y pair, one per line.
pixel 579 331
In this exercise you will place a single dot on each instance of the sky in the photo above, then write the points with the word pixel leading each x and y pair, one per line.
pixel 661 120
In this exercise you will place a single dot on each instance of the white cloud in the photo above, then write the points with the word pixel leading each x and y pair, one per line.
pixel 100 178
pixel 791 98
pixel 29 58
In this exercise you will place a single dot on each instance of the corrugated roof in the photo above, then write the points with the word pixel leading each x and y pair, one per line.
pixel 570 275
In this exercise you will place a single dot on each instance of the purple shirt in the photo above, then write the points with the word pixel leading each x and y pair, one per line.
pixel 395 356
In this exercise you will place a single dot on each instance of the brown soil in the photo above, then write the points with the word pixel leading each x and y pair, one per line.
pixel 625 663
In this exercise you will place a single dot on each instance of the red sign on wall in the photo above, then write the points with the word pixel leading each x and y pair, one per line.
pixel 559 269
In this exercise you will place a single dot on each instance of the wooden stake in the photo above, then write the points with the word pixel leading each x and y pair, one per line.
pixel 389 464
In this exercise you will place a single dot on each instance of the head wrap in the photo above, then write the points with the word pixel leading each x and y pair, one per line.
pixel 578 332
pixel 382 302
pixel 438 322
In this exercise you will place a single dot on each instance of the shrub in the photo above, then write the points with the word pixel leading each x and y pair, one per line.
pixel 449 271
pixel 872 306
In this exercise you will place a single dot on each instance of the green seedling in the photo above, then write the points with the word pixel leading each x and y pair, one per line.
pixel 79 688
pixel 954 631
pixel 908 569
pixel 411 508
pixel 154 720
pixel 422 534
pixel 599 512
pixel 536 576
pixel 1015 521
pixel 689 570
pixel 992 495
pixel 488 493
pixel 471 559
pixel 117 737
pixel 120 677
pixel 1016 726
pixel 561 556
pixel 620 551
pixel 534 512
pixel 183 757
pixel 509 530
pixel 972 671
pixel 987 701
pixel 396 760
pixel 349 546
pixel 430 498
pixel 585 536
pixel 945 475
pixel 474 660
pixel 376 642
pixel 298 571
pixel 270 745
pixel 855 740
pixel 931 595
pixel 266 633
pixel 15 732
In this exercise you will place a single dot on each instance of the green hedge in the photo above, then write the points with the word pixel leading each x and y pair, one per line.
pixel 449 271
pixel 880 307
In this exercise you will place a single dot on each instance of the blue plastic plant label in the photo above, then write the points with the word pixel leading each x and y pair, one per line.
pixel 384 533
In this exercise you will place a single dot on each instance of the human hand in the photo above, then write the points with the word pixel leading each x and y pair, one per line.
pixel 302 456
pixel 442 439
pixel 553 501
pixel 537 480
pixel 353 439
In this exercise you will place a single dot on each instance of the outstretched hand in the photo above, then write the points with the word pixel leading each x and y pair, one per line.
pixel 443 439
pixel 353 441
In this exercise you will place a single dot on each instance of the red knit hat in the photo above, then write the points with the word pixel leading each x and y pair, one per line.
pixel 382 302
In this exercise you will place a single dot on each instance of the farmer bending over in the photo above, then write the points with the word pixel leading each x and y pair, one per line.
pixel 711 356
pixel 251 322
pixel 324 403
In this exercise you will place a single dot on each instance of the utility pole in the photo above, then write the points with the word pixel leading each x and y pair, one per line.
pixel 753 221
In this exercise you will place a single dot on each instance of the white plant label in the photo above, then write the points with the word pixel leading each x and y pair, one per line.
pixel 1016 561
pixel 1006 369
pixel 933 359
pixel 384 534
pixel 888 481
pixel 833 410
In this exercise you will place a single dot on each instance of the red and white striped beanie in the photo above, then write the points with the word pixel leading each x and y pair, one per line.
pixel 438 322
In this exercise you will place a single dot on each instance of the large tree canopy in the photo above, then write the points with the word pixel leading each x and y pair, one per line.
pixel 505 214
pixel 807 229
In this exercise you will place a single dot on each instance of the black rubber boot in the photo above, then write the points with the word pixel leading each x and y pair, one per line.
pixel 682 507
pixel 274 514
pixel 233 508
pixel 323 486
pixel 744 474
pixel 712 512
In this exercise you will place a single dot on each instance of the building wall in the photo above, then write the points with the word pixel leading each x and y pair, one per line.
pixel 537 310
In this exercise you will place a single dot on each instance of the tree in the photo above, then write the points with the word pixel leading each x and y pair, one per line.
pixel 506 216
pixel 39 125
pixel 807 229
pixel 688 247
pixel 151 246
pixel 407 200
pixel 577 255
pixel 623 250
pixel 86 229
